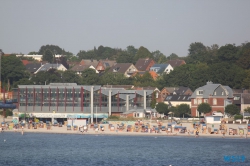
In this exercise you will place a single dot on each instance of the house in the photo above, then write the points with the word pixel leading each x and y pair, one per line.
pixel 144 64
pixel 183 91
pixel 33 67
pixel 161 68
pixel 166 91
pixel 89 62
pixel 49 66
pixel 176 62
pixel 104 64
pixel 37 57
pixel 241 99
pixel 175 100
pixel 216 95
pixel 125 68
pixel 140 113
pixel 25 62
pixel 80 68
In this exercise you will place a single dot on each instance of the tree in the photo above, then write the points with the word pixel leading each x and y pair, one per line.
pixel 162 108
pixel 23 81
pixel 12 69
pixel 197 53
pixel 33 53
pixel 204 108
pixel 247 110
pixel 159 57
pixel 70 76
pixel 131 50
pixel 48 56
pixel 232 110
pixel 144 80
pixel 228 53
pixel 142 53
pixel 153 102
pixel 183 109
pixel 90 77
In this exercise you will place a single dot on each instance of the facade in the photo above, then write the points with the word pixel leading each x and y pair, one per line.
pixel 216 95
pixel 175 100
pixel 241 99
pixel 64 100
pixel 36 57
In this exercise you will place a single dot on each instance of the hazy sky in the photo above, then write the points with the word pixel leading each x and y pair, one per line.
pixel 169 26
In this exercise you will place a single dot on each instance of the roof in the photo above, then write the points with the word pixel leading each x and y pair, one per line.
pixel 181 90
pixel 120 67
pixel 178 98
pixel 176 62
pixel 48 66
pixel 143 63
pixel 119 86
pixel 25 62
pixel 108 63
pixel 161 67
pixel 209 89
pixel 89 62
pixel 170 89
pixel 146 88
pixel 33 67
pixel 79 67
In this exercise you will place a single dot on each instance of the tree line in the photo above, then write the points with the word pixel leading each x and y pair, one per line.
pixel 226 65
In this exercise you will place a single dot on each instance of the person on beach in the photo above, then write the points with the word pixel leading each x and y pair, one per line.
pixel 22 130
pixel 223 133
pixel 197 133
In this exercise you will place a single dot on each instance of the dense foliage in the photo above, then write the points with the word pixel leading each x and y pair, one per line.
pixel 226 65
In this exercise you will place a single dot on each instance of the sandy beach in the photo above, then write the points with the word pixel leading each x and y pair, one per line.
pixel 63 130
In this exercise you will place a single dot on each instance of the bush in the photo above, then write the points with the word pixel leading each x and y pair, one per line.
pixel 238 117
pixel 112 117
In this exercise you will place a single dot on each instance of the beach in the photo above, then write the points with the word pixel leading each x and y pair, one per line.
pixel 190 131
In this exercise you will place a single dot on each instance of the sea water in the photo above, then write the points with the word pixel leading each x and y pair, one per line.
pixel 111 150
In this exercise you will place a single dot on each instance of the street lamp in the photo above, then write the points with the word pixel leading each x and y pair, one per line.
pixel 96 114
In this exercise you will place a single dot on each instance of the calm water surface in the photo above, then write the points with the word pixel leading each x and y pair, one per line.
pixel 68 149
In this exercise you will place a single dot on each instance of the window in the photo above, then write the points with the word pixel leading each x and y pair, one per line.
pixel 156 95
pixel 195 101
pixel 214 93
pixel 214 101
pixel 199 101
pixel 205 100
pixel 236 97
pixel 200 92
pixel 222 93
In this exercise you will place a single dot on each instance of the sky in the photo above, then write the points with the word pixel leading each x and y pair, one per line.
pixel 169 26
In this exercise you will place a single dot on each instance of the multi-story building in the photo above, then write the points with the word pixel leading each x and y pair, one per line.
pixel 63 100
pixel 216 95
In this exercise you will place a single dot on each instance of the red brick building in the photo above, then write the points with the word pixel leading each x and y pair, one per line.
pixel 216 95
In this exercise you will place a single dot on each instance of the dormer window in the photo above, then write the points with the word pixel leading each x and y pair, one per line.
pixel 222 93
pixel 200 92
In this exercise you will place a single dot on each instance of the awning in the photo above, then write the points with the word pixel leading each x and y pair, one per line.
pixel 100 116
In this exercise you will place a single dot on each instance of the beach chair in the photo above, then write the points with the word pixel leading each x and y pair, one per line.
pixel 68 127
